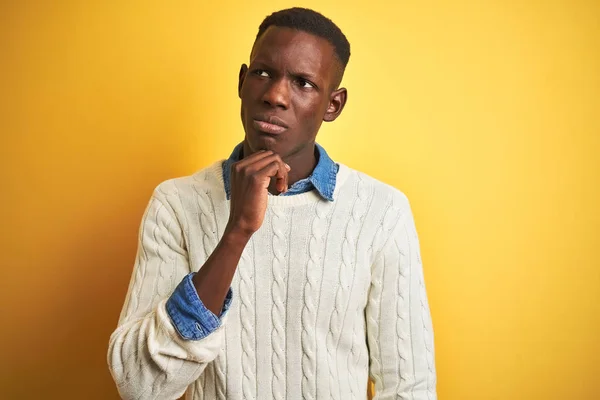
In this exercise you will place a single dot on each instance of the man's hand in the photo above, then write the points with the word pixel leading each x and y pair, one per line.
pixel 250 180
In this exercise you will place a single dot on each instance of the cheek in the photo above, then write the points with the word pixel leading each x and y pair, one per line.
pixel 246 98
pixel 245 91
pixel 311 106
pixel 252 89
pixel 313 111
pixel 310 123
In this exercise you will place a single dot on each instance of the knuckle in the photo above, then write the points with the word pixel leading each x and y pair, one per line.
pixel 249 171
pixel 255 178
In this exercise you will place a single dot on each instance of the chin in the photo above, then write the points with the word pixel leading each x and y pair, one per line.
pixel 258 141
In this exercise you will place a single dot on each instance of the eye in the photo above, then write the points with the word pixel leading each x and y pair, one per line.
pixel 261 72
pixel 303 83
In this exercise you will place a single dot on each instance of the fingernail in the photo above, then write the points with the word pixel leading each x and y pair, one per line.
pixel 288 167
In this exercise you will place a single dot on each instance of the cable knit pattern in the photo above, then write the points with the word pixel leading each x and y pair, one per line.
pixel 402 321
pixel 389 221
pixel 278 291
pixel 373 317
pixel 359 212
pixel 248 323
pixel 413 242
pixel 209 242
pixel 200 385
pixel 317 307
pixel 220 378
pixel 346 276
pixel 206 221
pixel 309 310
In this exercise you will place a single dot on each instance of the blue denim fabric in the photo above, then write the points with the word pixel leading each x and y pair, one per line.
pixel 322 178
pixel 190 317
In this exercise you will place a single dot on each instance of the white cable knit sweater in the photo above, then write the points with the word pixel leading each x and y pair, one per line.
pixel 326 294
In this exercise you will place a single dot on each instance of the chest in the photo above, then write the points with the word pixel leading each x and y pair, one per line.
pixel 314 256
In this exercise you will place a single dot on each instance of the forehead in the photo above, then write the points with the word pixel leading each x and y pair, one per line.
pixel 300 50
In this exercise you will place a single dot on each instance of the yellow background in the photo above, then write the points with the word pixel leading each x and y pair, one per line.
pixel 485 113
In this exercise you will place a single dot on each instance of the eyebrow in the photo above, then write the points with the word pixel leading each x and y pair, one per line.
pixel 305 75
pixel 298 73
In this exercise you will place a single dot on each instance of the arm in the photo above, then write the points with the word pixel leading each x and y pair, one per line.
pixel 250 180
pixel 147 356
pixel 162 345
pixel 399 329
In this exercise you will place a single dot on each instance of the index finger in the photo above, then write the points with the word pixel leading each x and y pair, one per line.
pixel 252 158
pixel 282 177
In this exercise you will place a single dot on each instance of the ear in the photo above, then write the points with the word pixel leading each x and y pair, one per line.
pixel 337 101
pixel 243 72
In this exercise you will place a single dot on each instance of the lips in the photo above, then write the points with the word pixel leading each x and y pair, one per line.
pixel 269 124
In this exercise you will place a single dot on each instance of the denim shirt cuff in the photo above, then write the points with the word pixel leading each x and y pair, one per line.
pixel 190 317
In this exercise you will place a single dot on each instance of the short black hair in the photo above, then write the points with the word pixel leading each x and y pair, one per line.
pixel 310 21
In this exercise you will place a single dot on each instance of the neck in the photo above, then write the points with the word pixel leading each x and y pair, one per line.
pixel 301 163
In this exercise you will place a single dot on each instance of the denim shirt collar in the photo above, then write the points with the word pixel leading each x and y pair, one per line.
pixel 322 179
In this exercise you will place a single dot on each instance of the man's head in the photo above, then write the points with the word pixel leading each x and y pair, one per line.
pixel 292 82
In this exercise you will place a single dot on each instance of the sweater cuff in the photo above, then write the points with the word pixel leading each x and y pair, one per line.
pixel 190 317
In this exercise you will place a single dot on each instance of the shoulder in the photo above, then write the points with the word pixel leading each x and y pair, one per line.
pixel 382 193
pixel 207 181
pixel 388 211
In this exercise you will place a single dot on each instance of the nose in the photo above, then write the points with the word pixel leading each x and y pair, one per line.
pixel 277 94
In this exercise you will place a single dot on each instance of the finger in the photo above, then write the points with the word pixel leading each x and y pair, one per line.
pixel 282 177
pixel 261 163
pixel 265 174
pixel 259 155
pixel 275 169
pixel 239 166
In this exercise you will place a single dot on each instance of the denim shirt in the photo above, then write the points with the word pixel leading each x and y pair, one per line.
pixel 192 320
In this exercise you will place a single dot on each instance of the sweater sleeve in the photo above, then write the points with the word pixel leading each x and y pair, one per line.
pixel 399 328
pixel 147 356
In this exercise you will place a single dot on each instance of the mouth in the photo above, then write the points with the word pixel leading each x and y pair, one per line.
pixel 269 124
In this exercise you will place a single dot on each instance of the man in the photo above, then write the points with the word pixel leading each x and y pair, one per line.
pixel 277 273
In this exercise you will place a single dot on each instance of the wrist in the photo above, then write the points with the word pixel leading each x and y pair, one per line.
pixel 236 236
